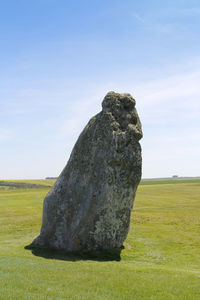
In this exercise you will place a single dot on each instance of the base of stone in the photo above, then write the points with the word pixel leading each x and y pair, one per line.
pixel 97 255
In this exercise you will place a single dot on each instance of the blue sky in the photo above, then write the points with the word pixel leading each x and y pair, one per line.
pixel 59 59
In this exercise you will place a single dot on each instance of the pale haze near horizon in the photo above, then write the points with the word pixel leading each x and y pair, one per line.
pixel 59 59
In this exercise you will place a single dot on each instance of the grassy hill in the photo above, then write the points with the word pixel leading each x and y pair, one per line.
pixel 161 259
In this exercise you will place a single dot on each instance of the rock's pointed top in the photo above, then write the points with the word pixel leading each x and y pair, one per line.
pixel 124 101
pixel 121 108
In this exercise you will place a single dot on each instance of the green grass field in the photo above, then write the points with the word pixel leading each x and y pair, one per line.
pixel 161 259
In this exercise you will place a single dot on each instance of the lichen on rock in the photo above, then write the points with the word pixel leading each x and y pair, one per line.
pixel 89 206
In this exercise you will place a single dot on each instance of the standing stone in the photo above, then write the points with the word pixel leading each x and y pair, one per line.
pixel 89 206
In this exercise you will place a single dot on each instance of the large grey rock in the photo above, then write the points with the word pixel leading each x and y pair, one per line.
pixel 89 206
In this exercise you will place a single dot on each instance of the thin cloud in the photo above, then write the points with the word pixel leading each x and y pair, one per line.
pixel 157 101
pixel 152 25
pixel 138 18
pixel 169 98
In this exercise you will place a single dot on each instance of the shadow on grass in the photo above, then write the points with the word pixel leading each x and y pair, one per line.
pixel 108 255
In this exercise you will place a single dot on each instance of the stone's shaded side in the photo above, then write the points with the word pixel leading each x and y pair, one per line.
pixel 89 206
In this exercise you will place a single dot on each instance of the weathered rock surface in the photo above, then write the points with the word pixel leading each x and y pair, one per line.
pixel 89 206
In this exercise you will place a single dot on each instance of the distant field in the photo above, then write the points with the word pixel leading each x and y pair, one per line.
pixel 26 184
pixel 41 183
pixel 161 259
pixel 178 180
